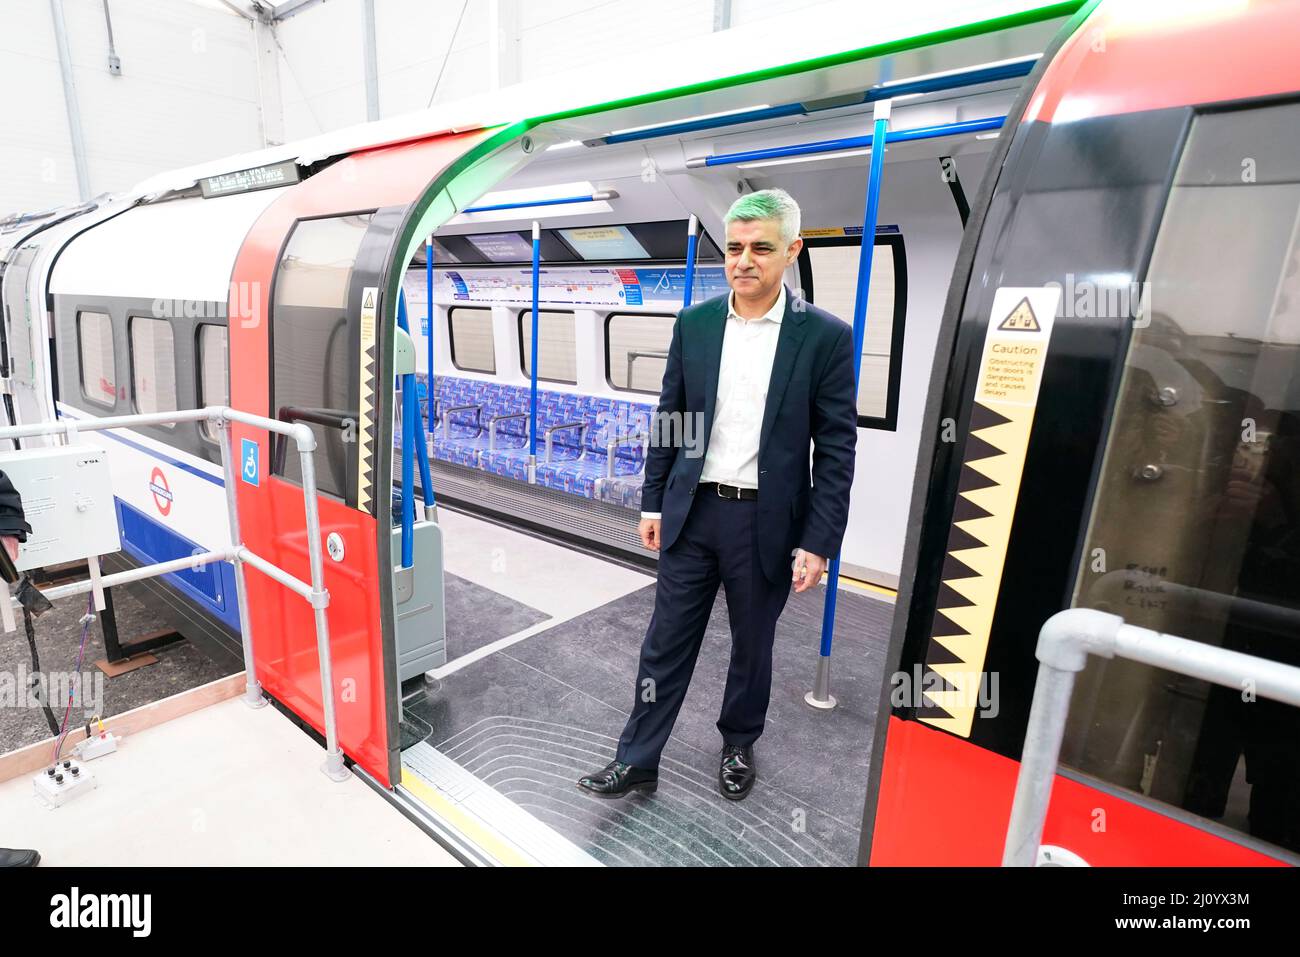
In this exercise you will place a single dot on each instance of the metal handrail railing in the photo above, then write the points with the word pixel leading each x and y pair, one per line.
pixel 1064 643
pixel 236 553
pixel 635 354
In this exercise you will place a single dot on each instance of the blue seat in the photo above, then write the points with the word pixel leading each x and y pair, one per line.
pixel 584 430
pixel 613 421
pixel 554 411
pixel 468 407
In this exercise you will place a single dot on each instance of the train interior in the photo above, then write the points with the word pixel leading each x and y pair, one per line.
pixel 547 589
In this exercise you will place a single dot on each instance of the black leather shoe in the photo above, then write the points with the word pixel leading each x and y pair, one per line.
pixel 618 779
pixel 737 772
pixel 20 857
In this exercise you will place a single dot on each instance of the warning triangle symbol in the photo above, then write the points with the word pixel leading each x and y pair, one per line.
pixel 370 301
pixel 1021 318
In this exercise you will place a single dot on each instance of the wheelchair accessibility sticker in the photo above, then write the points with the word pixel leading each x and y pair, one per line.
pixel 250 469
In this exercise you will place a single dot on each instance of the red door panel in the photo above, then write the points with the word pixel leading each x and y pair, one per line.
pixel 946 802
pixel 271 513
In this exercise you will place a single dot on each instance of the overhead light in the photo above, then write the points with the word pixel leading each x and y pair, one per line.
pixel 566 145
pixel 691 119
pixel 988 136
pixel 808 158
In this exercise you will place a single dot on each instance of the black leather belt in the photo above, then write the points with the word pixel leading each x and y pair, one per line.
pixel 733 492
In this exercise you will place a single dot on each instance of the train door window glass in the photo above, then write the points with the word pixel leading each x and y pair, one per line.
pixel 95 351
pixel 1195 527
pixel 314 342
pixel 214 386
pixel 829 273
pixel 153 365
pixel 557 351
pixel 636 351
pixel 473 347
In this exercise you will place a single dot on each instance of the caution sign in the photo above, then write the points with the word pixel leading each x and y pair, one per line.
pixel 1020 319
pixel 1006 396
pixel 366 425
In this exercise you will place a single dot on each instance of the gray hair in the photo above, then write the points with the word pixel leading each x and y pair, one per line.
pixel 774 204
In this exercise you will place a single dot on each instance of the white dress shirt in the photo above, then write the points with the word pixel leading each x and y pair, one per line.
pixel 748 348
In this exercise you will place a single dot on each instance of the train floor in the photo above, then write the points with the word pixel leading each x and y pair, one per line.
pixel 543 645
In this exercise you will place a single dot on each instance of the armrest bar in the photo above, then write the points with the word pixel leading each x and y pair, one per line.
pixel 446 417
pixel 615 442
pixel 492 426
pixel 550 434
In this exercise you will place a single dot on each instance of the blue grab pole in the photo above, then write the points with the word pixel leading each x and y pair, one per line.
pixel 428 280
pixel 421 447
pixel 410 411
pixel 532 366
pixel 692 240
pixel 865 257
pixel 961 128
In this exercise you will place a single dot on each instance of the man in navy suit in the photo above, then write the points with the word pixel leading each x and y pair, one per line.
pixel 761 375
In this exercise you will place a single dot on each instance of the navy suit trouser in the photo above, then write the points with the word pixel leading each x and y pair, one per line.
pixel 718 545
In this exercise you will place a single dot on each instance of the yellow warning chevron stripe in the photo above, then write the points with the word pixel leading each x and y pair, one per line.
pixel 366 408
pixel 1006 397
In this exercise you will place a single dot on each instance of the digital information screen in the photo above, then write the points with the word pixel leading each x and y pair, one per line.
pixel 442 255
pixel 503 247
pixel 604 242
pixel 247 180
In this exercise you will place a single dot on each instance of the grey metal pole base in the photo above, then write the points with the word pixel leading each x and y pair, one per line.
pixel 253 696
pixel 820 697
pixel 334 769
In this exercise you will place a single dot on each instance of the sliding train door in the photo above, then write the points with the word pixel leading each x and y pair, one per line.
pixel 310 333
pixel 1117 430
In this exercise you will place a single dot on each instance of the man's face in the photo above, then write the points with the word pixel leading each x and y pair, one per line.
pixel 756 257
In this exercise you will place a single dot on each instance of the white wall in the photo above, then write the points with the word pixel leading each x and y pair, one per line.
pixel 187 91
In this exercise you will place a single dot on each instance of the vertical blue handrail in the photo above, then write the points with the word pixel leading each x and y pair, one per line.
pixel 421 445
pixel 428 280
pixel 410 412
pixel 692 240
pixel 865 257
pixel 532 365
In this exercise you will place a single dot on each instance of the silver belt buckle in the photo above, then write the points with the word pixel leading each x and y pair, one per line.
pixel 718 487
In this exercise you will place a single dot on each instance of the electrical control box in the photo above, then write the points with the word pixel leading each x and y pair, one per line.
pixel 60 783
pixel 67 497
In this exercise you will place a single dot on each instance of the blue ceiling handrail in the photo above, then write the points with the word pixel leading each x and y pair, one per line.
pixel 885 91
pixel 560 201
pixel 848 143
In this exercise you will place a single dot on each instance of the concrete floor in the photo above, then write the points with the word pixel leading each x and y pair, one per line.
pixel 226 785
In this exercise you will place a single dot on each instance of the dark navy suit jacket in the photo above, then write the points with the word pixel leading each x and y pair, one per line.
pixel 810 399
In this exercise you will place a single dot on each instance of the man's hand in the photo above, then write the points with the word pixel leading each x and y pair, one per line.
pixel 650 534
pixel 808 570
pixel 11 546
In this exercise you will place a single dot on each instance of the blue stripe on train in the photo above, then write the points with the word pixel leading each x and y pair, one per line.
pixel 212 587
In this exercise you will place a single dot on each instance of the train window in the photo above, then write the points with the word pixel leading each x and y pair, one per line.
pixel 214 386
pixel 95 349
pixel 557 353
pixel 636 351
pixel 314 342
pixel 828 269
pixel 153 365
pixel 1195 528
pixel 471 340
